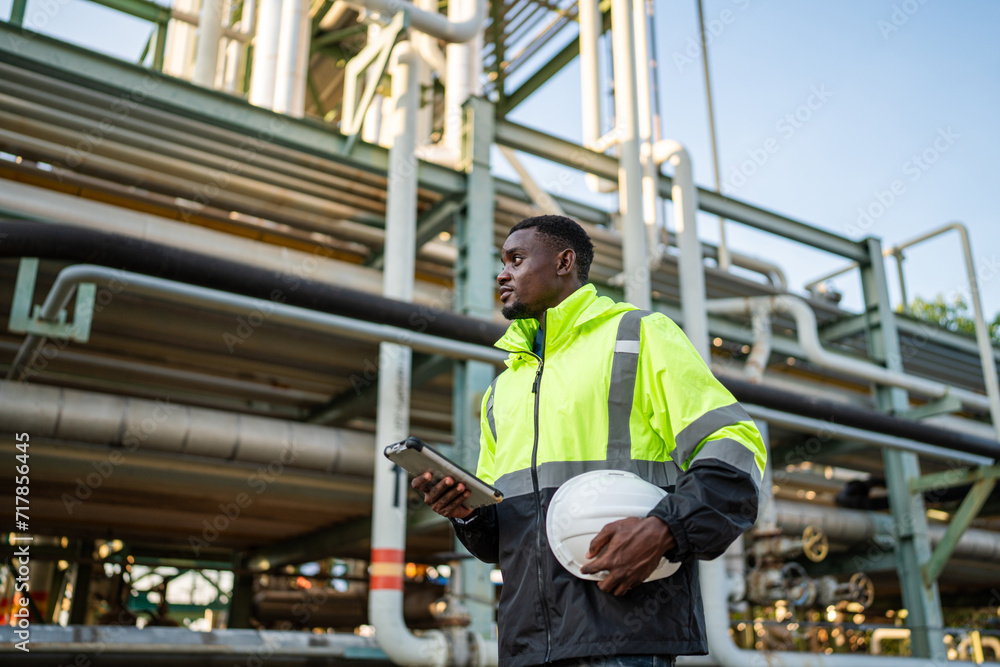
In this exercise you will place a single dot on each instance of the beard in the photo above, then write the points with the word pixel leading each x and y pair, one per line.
pixel 515 311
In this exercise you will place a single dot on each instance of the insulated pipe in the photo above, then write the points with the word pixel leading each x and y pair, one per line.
pixel 644 106
pixel 290 74
pixel 206 56
pixel 133 423
pixel 275 309
pixel 808 338
pixel 385 600
pixel 431 23
pixel 590 83
pixel 760 353
pixel 459 59
pixel 180 42
pixel 637 282
pixel 265 56
pixel 689 265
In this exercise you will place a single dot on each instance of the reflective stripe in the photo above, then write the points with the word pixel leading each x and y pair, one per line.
pixel 707 424
pixel 733 452
pixel 489 409
pixel 554 474
pixel 621 391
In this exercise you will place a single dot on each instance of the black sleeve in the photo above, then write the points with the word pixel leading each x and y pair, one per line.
pixel 712 504
pixel 481 534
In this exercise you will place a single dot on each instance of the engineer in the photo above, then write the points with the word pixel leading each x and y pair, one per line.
pixel 594 384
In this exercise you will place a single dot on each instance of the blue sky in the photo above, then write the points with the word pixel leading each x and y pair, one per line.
pixel 822 109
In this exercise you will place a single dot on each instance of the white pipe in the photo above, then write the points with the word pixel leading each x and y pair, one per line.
pixel 456 93
pixel 431 61
pixel 289 71
pixel 644 105
pixel 265 57
pixel 236 51
pixel 539 196
pixel 808 338
pixel 385 602
pixel 590 30
pixel 689 264
pixel 206 57
pixel 637 282
pixel 760 353
pixel 431 23
pixel 180 42
pixel 333 16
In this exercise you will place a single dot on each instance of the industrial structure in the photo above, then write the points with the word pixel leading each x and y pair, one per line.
pixel 233 272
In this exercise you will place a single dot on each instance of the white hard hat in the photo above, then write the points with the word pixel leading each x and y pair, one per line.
pixel 588 502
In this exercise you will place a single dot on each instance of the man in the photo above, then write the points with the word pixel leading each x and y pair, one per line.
pixel 594 384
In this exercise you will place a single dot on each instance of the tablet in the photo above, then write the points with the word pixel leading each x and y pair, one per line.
pixel 417 457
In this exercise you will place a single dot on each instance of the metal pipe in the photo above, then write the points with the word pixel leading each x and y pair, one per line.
pixel 808 338
pixel 690 269
pixel 275 309
pixel 385 601
pixel 431 23
pixel 265 57
pixel 289 67
pixel 180 41
pixel 637 283
pixel 590 84
pixel 644 108
pixel 760 353
pixel 206 56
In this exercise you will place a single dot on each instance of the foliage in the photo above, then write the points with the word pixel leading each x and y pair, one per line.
pixel 954 316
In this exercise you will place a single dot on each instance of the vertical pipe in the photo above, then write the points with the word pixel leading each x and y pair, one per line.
pixel 457 91
pixel 723 256
pixel 265 58
pixel 206 55
pixel 690 269
pixel 371 128
pixel 298 99
pixel 645 114
pixel 288 67
pixel 385 601
pixel 637 283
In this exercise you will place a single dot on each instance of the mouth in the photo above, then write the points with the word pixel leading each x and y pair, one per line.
pixel 504 293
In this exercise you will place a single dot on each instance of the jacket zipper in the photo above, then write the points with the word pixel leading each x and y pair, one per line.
pixel 538 511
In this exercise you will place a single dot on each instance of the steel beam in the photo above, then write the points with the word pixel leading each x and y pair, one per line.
pixel 920 597
pixel 476 295
pixel 539 78
pixel 960 520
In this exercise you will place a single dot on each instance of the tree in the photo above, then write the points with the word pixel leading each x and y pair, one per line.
pixel 954 316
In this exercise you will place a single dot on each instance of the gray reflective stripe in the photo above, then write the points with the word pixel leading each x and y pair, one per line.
pixel 702 427
pixel 621 391
pixel 733 452
pixel 489 409
pixel 554 474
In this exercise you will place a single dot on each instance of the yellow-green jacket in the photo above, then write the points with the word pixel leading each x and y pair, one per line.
pixel 615 388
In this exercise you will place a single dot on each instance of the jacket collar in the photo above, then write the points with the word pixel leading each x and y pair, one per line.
pixel 578 308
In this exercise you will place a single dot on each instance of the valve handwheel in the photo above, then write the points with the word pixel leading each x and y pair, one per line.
pixel 815 545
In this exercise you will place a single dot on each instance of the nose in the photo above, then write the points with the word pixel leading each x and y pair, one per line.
pixel 504 276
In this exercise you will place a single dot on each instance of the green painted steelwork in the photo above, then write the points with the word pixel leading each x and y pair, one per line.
pixel 335 37
pixel 921 598
pixel 539 78
pixel 571 155
pixel 68 62
pixel 17 11
pixel 25 319
pixel 943 406
pixel 986 479
pixel 141 9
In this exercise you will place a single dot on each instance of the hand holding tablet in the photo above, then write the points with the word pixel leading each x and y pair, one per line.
pixel 419 458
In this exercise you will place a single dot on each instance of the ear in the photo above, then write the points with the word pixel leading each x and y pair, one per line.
pixel 565 262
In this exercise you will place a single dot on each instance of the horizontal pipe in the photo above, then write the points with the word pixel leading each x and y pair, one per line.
pixel 432 23
pixel 808 337
pixel 77 244
pixel 861 418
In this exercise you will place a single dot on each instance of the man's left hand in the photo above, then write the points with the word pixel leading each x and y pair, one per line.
pixel 629 549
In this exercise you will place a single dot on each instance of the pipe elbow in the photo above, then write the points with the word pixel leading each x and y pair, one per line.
pixel 670 150
pixel 431 23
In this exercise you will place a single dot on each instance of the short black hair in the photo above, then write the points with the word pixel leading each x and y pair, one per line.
pixel 560 233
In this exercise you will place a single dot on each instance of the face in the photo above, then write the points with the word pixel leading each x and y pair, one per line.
pixel 533 275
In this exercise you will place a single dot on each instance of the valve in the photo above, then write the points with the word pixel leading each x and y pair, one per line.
pixel 815 544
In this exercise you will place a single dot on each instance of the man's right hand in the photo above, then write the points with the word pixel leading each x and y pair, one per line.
pixel 445 497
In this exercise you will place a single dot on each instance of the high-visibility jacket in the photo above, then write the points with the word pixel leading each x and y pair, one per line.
pixel 614 388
